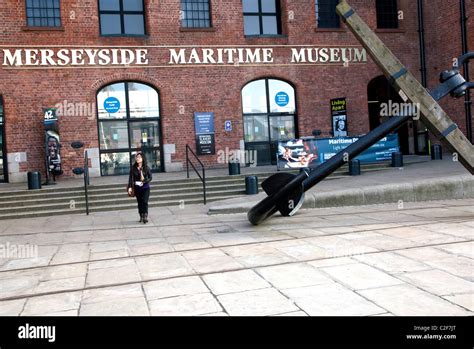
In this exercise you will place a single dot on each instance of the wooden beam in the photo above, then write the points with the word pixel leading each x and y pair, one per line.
pixel 409 88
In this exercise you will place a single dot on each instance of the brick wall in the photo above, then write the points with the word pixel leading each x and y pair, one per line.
pixel 443 37
pixel 206 89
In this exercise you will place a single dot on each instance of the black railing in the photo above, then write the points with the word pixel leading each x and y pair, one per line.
pixel 203 176
pixel 86 180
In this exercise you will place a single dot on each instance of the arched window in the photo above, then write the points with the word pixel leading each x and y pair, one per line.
pixel 269 110
pixel 128 121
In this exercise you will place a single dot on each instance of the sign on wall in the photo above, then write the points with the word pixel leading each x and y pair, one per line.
pixel 163 56
pixel 303 153
pixel 339 117
pixel 204 127
pixel 50 115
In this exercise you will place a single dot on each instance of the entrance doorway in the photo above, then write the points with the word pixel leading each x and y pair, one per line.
pixel 269 113
pixel 381 93
pixel 128 122
pixel 3 154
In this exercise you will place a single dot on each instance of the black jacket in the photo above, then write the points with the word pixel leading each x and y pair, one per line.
pixel 136 173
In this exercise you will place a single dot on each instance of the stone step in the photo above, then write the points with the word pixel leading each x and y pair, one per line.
pixel 110 195
pixel 67 200
pixel 104 208
pixel 123 200
pixel 165 184
pixel 121 186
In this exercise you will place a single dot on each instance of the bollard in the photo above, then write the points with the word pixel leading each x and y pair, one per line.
pixel 34 180
pixel 397 159
pixel 234 168
pixel 436 152
pixel 354 167
pixel 251 185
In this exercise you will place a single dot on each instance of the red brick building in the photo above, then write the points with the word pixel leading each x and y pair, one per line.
pixel 130 74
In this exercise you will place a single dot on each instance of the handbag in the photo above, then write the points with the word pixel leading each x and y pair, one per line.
pixel 132 193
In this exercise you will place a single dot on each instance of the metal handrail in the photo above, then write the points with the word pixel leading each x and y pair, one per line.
pixel 86 180
pixel 203 177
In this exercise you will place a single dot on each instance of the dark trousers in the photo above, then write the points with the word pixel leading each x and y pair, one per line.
pixel 142 199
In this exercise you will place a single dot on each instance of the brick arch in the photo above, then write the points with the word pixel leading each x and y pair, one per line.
pixel 120 77
pixel 268 76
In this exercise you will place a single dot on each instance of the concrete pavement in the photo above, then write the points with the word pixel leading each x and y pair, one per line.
pixel 364 260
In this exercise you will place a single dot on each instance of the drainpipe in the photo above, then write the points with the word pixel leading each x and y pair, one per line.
pixel 467 97
pixel 421 36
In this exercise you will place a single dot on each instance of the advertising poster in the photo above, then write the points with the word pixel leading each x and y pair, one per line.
pixel 52 139
pixel 339 117
pixel 308 153
pixel 298 153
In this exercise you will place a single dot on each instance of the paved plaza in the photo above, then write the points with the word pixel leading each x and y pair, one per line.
pixel 391 259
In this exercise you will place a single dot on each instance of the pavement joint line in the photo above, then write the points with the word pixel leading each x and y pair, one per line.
pixel 215 272
pixel 429 267
pixel 204 248
pixel 82 294
pixel 276 288
pixel 306 209
pixel 222 246
pixel 213 295
pixel 235 221
pixel 348 287
pixel 415 286
pixel 179 295
pixel 455 304
pixel 144 295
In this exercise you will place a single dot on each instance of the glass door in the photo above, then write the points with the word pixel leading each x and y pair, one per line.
pixel 145 136
pixel 256 137
pixel 282 128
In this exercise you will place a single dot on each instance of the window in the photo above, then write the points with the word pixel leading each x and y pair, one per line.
pixel 326 15
pixel 269 115
pixel 121 17
pixel 387 14
pixel 261 17
pixel 128 121
pixel 43 13
pixel 195 14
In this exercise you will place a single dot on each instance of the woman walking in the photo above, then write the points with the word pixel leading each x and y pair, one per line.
pixel 138 185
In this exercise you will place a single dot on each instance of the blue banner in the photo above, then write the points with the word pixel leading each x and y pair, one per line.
pixel 301 153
